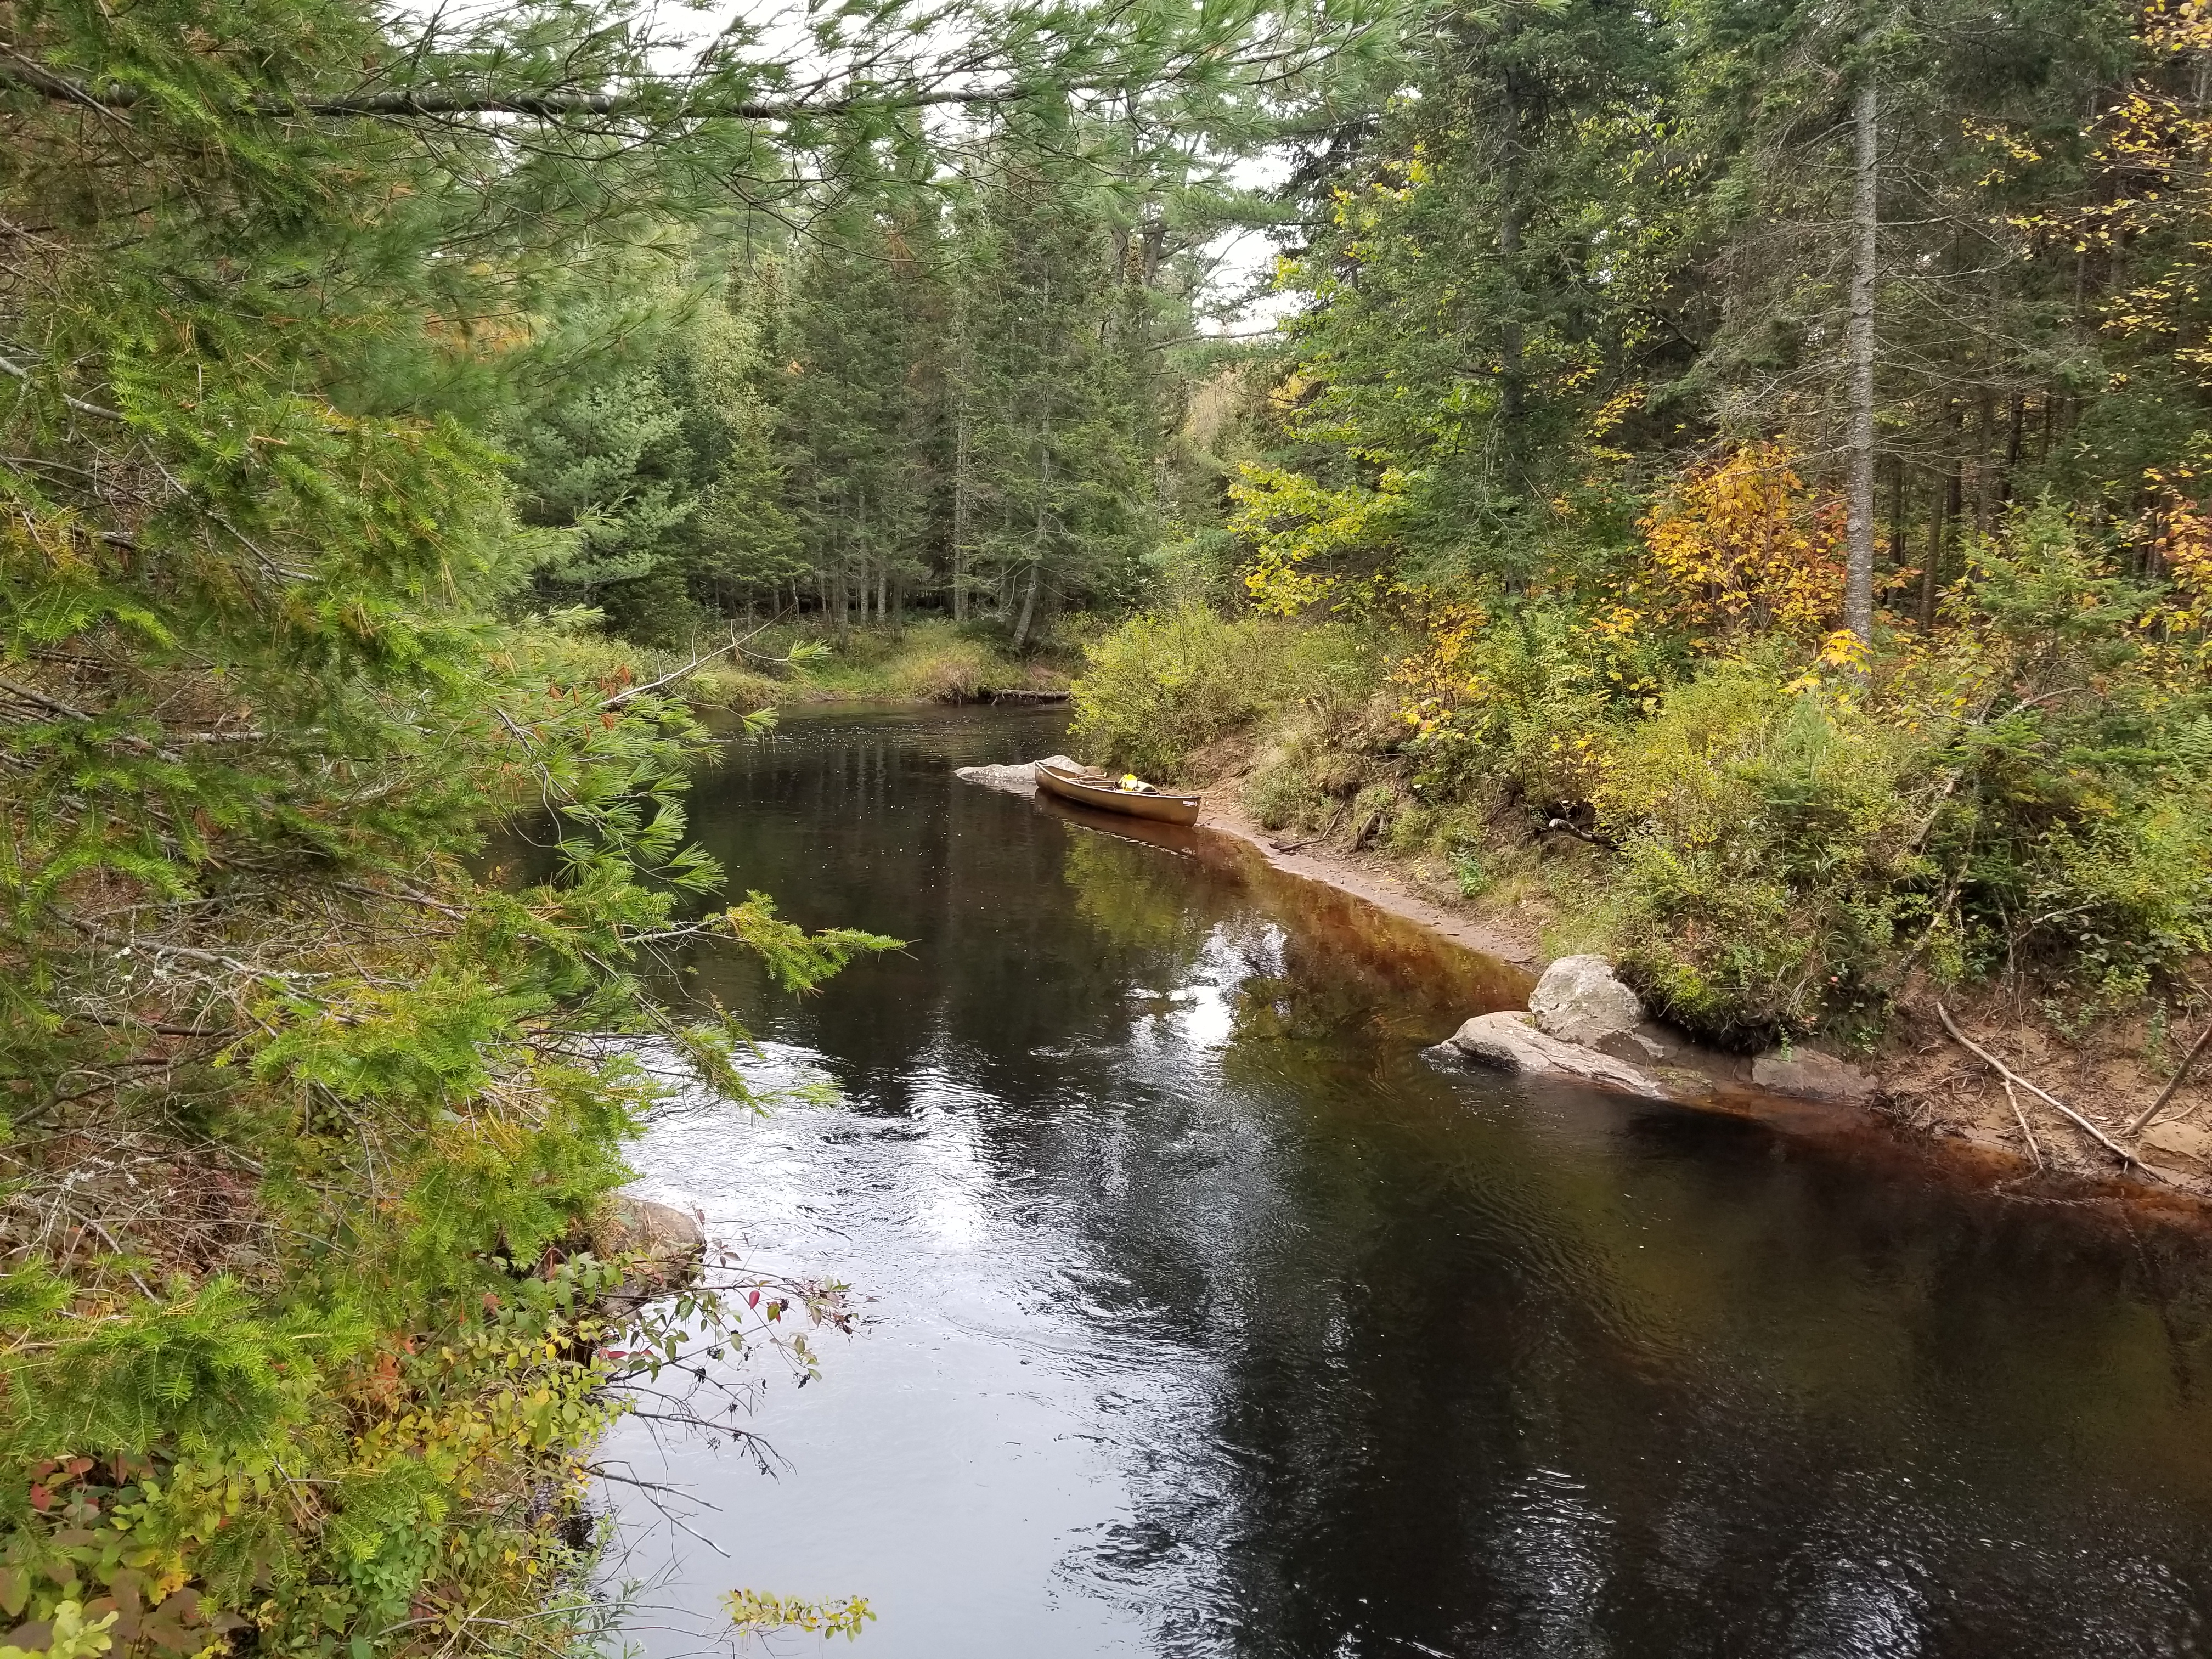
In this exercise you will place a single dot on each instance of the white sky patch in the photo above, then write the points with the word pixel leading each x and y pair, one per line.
pixel 1242 300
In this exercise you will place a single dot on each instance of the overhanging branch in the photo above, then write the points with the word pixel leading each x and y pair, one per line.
pixel 540 105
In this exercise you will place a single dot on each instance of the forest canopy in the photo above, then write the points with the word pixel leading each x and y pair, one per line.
pixel 1737 468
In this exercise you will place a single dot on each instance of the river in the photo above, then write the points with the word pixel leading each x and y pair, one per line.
pixel 1204 1316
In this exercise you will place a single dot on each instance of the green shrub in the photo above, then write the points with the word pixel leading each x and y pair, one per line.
pixel 1767 857
pixel 1536 701
pixel 933 659
pixel 573 647
pixel 1164 686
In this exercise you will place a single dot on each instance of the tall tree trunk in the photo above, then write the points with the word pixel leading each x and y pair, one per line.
pixel 1985 466
pixel 2015 448
pixel 1512 386
pixel 1897 509
pixel 960 484
pixel 1037 546
pixel 1949 496
pixel 1858 532
pixel 1029 609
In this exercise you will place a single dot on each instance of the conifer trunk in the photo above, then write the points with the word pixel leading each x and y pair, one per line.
pixel 1858 570
pixel 1036 542
pixel 1513 393
pixel 1029 609
pixel 960 487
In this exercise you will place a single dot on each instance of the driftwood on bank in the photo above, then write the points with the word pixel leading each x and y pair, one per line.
pixel 2021 1115
pixel 2142 1120
pixel 2045 1095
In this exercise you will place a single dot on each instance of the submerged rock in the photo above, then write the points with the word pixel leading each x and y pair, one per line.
pixel 1581 999
pixel 1020 779
pixel 1510 1041
pixel 1811 1075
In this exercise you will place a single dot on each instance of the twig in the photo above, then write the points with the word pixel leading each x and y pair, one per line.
pixel 2045 1095
pixel 684 672
pixel 2141 1120
pixel 77 404
pixel 144 1288
pixel 652 1491
pixel 2026 1133
pixel 407 893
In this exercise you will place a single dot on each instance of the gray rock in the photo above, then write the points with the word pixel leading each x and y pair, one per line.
pixel 668 1244
pixel 657 1228
pixel 1811 1075
pixel 1016 780
pixel 1580 1000
pixel 1510 1041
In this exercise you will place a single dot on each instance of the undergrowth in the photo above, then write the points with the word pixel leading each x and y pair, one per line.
pixel 927 660
pixel 1771 841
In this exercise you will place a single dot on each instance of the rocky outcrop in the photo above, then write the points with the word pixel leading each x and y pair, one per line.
pixel 1580 1000
pixel 1510 1041
pixel 1811 1075
pixel 668 1244
pixel 1017 779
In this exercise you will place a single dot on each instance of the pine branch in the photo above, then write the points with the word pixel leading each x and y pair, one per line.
pixel 403 105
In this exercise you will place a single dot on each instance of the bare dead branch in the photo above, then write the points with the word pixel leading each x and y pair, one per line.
pixel 2044 1095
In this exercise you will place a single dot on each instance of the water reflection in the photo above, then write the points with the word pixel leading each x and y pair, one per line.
pixel 1208 1319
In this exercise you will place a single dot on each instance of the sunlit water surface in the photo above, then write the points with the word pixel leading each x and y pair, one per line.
pixel 1204 1316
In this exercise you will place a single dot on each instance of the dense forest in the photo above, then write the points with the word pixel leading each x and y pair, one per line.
pixel 1734 484
pixel 952 393
pixel 1729 482
pixel 1730 479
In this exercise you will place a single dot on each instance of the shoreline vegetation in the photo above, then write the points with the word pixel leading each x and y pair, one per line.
pixel 761 665
pixel 1299 730
pixel 1919 1078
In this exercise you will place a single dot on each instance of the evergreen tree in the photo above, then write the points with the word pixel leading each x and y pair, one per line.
pixel 1059 412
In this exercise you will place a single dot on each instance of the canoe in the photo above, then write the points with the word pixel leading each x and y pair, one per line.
pixel 1084 791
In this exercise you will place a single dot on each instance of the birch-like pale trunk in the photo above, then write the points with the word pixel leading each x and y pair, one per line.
pixel 960 492
pixel 1858 529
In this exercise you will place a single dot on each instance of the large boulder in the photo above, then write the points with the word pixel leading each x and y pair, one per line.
pixel 1580 1000
pixel 1811 1075
pixel 1019 780
pixel 667 1244
pixel 1510 1041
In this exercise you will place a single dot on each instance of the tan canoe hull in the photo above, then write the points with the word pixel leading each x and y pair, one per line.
pixel 1164 809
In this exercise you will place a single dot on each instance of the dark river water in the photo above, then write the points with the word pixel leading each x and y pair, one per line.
pixel 1204 1316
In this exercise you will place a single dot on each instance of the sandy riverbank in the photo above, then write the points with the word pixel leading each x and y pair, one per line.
pixel 1928 1090
pixel 1929 1099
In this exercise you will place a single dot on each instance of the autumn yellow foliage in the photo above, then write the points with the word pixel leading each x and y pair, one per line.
pixel 1298 528
pixel 1743 545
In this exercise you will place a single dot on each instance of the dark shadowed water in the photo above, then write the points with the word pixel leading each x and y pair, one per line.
pixel 1207 1318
